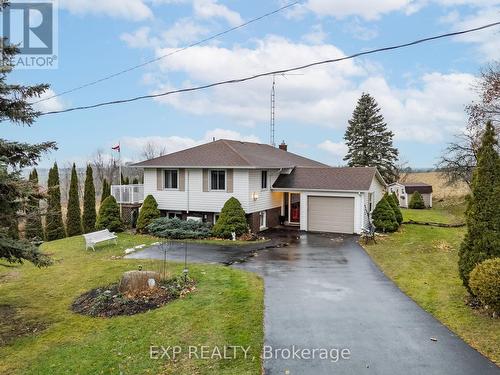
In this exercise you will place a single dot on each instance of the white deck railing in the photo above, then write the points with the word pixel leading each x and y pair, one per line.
pixel 129 193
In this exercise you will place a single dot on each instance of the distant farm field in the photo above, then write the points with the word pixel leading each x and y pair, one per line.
pixel 439 187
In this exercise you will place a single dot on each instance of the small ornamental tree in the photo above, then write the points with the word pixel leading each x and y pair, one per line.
pixel 54 228
pixel 393 201
pixel 34 228
pixel 482 240
pixel 106 190
pixel 89 212
pixel 485 283
pixel 109 216
pixel 232 219
pixel 73 216
pixel 416 201
pixel 149 211
pixel 384 217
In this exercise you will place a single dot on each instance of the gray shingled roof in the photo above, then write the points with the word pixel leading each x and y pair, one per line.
pixel 228 153
pixel 327 178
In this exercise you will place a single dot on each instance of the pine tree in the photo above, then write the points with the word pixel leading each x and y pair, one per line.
pixel 482 240
pixel 16 108
pixel 54 228
pixel 231 219
pixel 109 216
pixel 106 190
pixel 393 201
pixel 384 217
pixel 416 201
pixel 149 211
pixel 368 140
pixel 73 216
pixel 89 212
pixel 34 228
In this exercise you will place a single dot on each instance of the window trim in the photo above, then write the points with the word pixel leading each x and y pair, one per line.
pixel 263 215
pixel 370 201
pixel 262 180
pixel 164 173
pixel 210 180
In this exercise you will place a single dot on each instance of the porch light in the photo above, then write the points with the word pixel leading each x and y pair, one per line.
pixel 255 195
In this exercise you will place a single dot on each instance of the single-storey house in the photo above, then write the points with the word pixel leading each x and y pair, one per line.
pixel 404 190
pixel 272 184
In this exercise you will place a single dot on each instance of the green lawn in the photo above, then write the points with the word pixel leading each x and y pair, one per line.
pixel 450 212
pixel 422 261
pixel 226 309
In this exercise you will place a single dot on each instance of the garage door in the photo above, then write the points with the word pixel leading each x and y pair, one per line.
pixel 331 214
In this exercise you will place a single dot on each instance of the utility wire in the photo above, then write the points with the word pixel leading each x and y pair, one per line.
pixel 252 77
pixel 105 78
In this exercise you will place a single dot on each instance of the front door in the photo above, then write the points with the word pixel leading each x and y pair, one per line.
pixel 294 211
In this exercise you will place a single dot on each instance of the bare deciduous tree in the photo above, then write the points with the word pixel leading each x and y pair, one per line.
pixel 459 158
pixel 153 150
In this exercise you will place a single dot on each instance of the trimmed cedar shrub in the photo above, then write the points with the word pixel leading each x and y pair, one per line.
pixel 135 181
pixel 384 217
pixel 149 211
pixel 484 282
pixel 73 216
pixel 232 219
pixel 34 228
pixel 106 190
pixel 109 216
pixel 179 229
pixel 54 227
pixel 393 201
pixel 416 201
pixel 482 240
pixel 89 212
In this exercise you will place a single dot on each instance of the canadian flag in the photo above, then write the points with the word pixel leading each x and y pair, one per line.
pixel 116 148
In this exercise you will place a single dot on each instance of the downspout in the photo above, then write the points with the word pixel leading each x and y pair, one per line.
pixel 187 189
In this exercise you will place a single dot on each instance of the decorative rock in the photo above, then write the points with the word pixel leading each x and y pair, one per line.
pixel 130 250
pixel 135 282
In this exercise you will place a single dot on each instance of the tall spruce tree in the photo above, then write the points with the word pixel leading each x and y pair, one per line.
pixel 73 215
pixel 106 190
pixel 89 212
pixel 368 140
pixel 15 108
pixel 54 228
pixel 482 240
pixel 34 228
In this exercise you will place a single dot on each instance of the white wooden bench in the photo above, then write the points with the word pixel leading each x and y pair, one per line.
pixel 91 239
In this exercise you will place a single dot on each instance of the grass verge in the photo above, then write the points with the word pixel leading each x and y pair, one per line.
pixel 226 309
pixel 423 262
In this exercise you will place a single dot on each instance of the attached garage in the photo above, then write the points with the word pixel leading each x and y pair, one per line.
pixel 330 214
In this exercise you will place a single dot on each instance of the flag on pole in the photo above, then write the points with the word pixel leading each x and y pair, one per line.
pixel 116 148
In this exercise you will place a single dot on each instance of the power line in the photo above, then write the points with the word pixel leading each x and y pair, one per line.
pixel 105 78
pixel 281 71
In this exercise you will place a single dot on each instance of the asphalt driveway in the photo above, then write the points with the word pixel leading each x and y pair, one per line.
pixel 324 293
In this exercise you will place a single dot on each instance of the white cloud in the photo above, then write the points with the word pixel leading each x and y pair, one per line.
pixel 316 36
pixel 487 41
pixel 183 31
pixel 369 10
pixel 176 143
pixel 323 96
pixel 359 30
pixel 49 105
pixel 134 10
pixel 140 38
pixel 211 9
pixel 337 149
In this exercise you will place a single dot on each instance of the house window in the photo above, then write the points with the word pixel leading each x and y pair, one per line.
pixel 262 219
pixel 370 202
pixel 170 180
pixel 218 179
pixel 216 217
pixel 263 184
pixel 172 215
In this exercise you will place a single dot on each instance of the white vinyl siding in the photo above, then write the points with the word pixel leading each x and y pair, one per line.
pixel 266 198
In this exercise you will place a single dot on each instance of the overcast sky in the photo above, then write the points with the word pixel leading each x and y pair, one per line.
pixel 422 90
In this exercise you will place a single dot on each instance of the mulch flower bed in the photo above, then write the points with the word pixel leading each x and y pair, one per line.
pixel 108 301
